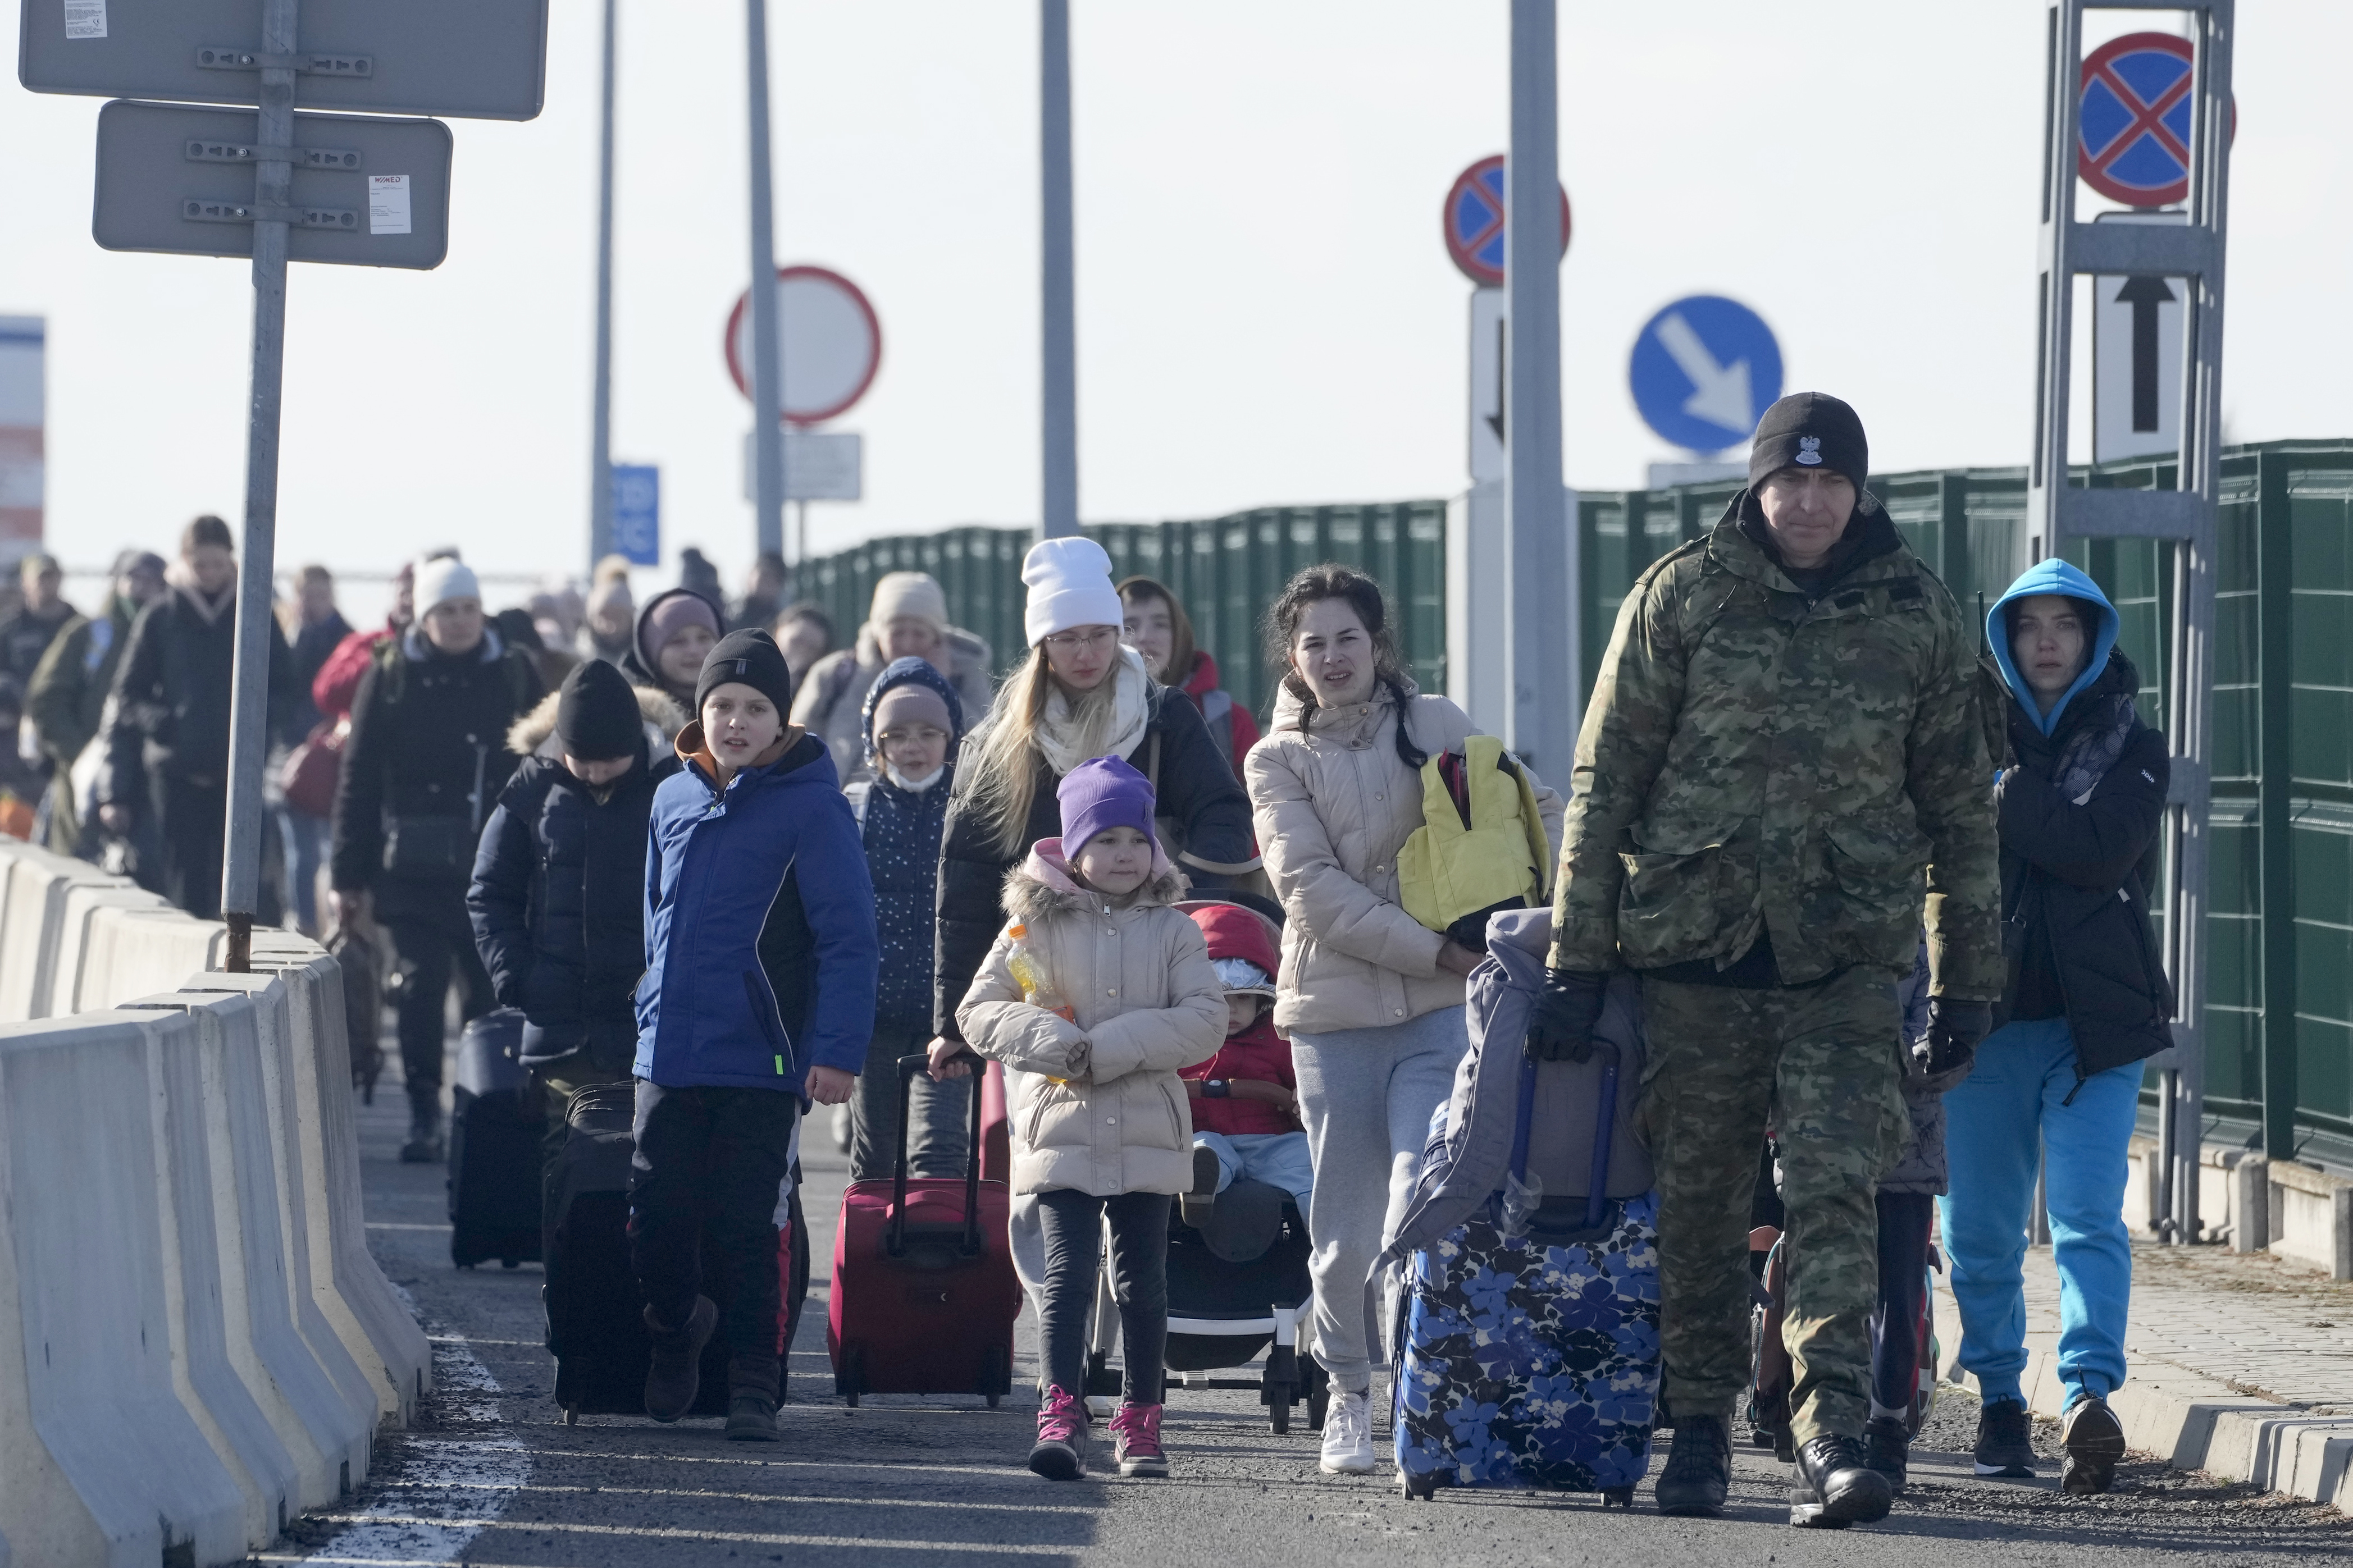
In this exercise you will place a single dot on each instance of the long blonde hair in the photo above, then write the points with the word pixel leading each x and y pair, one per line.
pixel 999 785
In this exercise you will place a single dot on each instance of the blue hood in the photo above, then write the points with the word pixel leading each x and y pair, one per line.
pixel 2051 576
pixel 918 672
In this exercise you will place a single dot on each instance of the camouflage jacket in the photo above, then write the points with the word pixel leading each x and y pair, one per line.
pixel 1752 762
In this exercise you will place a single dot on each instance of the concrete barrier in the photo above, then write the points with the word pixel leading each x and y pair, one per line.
pixel 101 1460
pixel 133 952
pixel 33 923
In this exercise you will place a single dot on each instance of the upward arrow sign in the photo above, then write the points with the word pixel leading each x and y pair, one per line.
pixel 2144 294
pixel 1720 393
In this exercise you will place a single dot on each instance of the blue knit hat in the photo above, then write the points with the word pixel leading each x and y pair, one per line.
pixel 1100 796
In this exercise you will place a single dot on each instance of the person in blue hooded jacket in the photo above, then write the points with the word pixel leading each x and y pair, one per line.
pixel 758 995
pixel 2081 799
pixel 914 722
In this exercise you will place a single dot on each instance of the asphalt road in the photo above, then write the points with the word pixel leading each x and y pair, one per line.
pixel 490 1476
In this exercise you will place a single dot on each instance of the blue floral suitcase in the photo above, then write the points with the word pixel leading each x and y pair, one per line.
pixel 1532 1360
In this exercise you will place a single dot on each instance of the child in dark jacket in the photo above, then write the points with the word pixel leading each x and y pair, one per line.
pixel 1244 1099
pixel 758 995
pixel 913 724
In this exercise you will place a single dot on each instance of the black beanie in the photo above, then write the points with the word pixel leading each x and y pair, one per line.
pixel 596 715
pixel 748 658
pixel 1810 430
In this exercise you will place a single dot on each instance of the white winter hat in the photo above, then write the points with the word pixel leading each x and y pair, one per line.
pixel 442 579
pixel 911 593
pixel 1069 586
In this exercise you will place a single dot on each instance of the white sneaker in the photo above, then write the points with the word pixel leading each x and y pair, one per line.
pixel 1348 1435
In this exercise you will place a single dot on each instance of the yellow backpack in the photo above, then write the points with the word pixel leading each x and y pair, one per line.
pixel 1448 870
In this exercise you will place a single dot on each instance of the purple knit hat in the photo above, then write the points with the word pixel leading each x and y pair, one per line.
pixel 1101 795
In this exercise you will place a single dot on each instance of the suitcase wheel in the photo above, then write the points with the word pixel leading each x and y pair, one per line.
pixel 1417 1489
pixel 995 1376
pixel 1621 1497
pixel 851 1377
pixel 572 1415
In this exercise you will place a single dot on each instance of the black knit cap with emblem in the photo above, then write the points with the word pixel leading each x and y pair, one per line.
pixel 748 658
pixel 1810 430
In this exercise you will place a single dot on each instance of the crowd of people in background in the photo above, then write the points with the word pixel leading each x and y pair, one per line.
pixel 703 848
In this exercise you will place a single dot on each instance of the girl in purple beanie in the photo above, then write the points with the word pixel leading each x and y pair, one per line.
pixel 1094 994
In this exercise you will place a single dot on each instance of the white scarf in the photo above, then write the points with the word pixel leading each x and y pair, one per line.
pixel 1057 735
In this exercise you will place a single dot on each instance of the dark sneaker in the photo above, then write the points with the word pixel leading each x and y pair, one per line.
pixel 2095 1441
pixel 1698 1470
pixel 674 1374
pixel 1886 1448
pixel 750 1417
pixel 1060 1452
pixel 1194 1206
pixel 1833 1488
pixel 423 1146
pixel 2005 1441
pixel 1136 1441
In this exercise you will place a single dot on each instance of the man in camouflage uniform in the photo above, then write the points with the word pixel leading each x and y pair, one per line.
pixel 1782 775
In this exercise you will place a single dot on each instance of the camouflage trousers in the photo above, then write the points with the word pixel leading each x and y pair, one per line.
pixel 1818 1064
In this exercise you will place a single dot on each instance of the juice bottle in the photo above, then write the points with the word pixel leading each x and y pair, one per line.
pixel 1030 975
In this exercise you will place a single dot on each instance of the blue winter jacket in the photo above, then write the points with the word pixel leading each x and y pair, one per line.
pixel 760 946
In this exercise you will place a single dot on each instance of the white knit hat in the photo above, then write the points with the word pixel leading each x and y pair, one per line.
pixel 912 594
pixel 442 579
pixel 1069 586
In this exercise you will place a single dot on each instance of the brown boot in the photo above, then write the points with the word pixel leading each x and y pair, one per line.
pixel 675 1373
pixel 751 1382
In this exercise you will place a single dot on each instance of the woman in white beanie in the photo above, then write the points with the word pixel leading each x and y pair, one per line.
pixel 1079 695
pixel 907 619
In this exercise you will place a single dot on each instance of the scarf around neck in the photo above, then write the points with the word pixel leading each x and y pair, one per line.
pixel 1058 738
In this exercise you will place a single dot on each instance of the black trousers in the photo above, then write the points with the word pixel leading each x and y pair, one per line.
pixel 1907 1220
pixel 712 1162
pixel 432 944
pixel 1073 1224
pixel 191 822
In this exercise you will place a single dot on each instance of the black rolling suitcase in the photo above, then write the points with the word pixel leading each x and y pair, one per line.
pixel 595 1329
pixel 494 1142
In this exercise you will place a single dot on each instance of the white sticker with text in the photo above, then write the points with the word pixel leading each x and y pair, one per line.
pixel 388 204
pixel 85 18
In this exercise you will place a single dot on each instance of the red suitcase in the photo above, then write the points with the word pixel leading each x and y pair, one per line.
pixel 923 1289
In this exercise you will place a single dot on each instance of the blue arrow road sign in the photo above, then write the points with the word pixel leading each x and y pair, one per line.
pixel 1703 372
pixel 637 513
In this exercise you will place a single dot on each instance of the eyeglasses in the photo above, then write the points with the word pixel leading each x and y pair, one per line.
pixel 1090 637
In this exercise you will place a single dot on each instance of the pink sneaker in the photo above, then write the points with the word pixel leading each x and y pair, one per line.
pixel 1060 1452
pixel 1136 1441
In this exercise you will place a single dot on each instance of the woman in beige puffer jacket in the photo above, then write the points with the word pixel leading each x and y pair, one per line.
pixel 1373 1000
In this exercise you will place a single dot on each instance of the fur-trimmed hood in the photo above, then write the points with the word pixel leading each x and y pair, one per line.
pixel 533 734
pixel 1044 884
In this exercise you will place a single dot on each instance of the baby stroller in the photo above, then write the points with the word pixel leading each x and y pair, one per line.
pixel 1237 1286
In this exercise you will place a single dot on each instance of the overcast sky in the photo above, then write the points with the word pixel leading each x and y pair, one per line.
pixel 1265 310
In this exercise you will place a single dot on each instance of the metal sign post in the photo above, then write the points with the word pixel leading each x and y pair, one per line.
pixel 1545 635
pixel 374 192
pixel 1058 346
pixel 768 352
pixel 600 433
pixel 2058 511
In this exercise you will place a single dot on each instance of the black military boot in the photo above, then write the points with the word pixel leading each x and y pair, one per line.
pixel 2005 1441
pixel 1887 1449
pixel 751 1382
pixel 674 1374
pixel 2095 1441
pixel 1698 1470
pixel 1833 1488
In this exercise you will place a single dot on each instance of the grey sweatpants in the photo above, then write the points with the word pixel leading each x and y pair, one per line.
pixel 1365 1096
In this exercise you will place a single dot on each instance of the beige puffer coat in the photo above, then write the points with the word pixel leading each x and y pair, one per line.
pixel 1096 1104
pixel 1333 807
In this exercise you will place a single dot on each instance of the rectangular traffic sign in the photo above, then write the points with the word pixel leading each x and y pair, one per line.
pixel 177 178
pixel 2137 321
pixel 819 465
pixel 1487 424
pixel 636 514
pixel 483 59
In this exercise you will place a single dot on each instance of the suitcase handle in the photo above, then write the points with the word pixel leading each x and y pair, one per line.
pixel 894 1241
pixel 1597 1186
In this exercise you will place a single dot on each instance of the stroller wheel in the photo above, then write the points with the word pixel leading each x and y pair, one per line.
pixel 1319 1396
pixel 1278 1409
pixel 1621 1497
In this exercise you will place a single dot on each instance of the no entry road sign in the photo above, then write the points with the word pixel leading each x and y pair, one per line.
pixel 370 192
pixel 1474 221
pixel 483 59
pixel 2134 143
pixel 832 338
pixel 1703 371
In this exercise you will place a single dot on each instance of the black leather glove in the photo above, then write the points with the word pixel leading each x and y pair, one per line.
pixel 1950 1045
pixel 1560 1027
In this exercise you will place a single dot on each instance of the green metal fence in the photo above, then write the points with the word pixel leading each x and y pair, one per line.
pixel 2283 784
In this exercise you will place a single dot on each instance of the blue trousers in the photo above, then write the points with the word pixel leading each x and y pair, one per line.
pixel 1996 1122
pixel 1277 1159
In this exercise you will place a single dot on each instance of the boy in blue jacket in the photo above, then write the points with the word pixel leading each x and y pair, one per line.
pixel 758 997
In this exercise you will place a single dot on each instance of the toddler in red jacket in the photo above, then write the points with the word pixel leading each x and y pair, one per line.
pixel 1244 1099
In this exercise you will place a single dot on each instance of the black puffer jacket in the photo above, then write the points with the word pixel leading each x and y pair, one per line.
pixel 427 759
pixel 558 905
pixel 173 691
pixel 2076 879
pixel 1199 798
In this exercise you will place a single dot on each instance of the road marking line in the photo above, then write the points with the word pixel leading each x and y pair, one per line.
pixel 659 1532
pixel 817 1498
